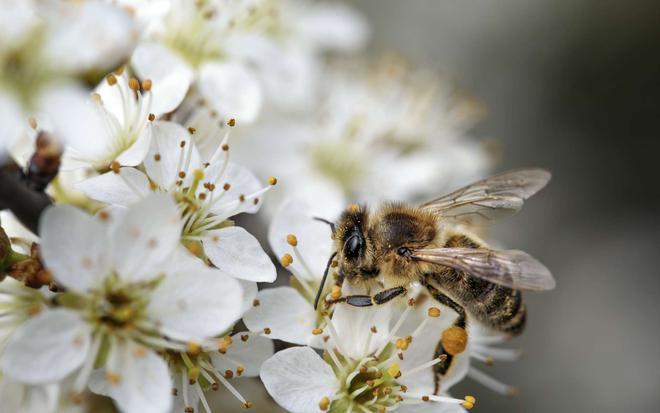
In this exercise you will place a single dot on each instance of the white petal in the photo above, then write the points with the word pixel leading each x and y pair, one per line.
pixel 242 181
pixel 353 327
pixel 135 154
pixel 144 381
pixel 289 316
pixel 431 407
pixel 334 26
pixel 75 247
pixel 196 304
pixel 166 142
pixel 125 188
pixel 298 379
pixel 47 348
pixel 232 90
pixel 145 237
pixel 12 119
pixel 314 238
pixel 170 75
pixel 250 291
pixel 18 397
pixel 91 35
pixel 249 354
pixel 238 253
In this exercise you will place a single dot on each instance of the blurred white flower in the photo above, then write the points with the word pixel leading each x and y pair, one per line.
pixel 44 46
pixel 380 132
pixel 238 53
pixel 365 367
pixel 304 246
pixel 208 192
pixel 130 290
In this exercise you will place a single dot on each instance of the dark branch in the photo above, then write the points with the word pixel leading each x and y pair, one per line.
pixel 26 204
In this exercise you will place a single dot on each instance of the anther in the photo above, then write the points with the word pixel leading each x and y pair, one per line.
pixel 411 302
pixel 267 331
pixel 146 85
pixel 191 130
pixel 133 84
pixel 255 303
pixel 157 157
pixel 245 337
pixel 118 71
pixel 152 117
pixel 286 260
pixel 469 402
pixel 404 388
pixel 434 312
pixel 174 391
pixel 193 348
pixel 317 331
pixel 215 386
pixel 255 201
pixel 324 403
pixel 182 144
pixel 114 166
pixel 225 147
pixel 272 181
pixel 292 240
pixel 111 79
pixel 104 215
pixel 226 186
pixel 33 122
pixel 247 405
pixel 374 329
pixel 426 398
pixel 241 198
pixel 189 410
pixel 240 370
pixel 402 344
pixel 231 122
pixel 229 374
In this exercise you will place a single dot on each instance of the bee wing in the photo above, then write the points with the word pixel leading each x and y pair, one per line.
pixel 491 198
pixel 510 268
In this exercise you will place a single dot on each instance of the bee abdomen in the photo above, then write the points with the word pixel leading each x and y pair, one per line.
pixel 505 310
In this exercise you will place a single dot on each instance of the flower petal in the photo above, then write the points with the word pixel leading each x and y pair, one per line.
pixel 353 327
pixel 47 348
pixel 170 75
pixel 247 350
pixel 166 158
pixel 135 154
pixel 314 239
pixel 74 246
pixel 11 117
pixel 232 90
pixel 285 312
pixel 242 181
pixel 196 303
pixel 18 397
pixel 238 253
pixel 298 379
pixel 125 188
pixel 144 384
pixel 144 238
pixel 178 402
pixel 333 26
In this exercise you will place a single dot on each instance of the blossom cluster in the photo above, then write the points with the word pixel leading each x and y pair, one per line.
pixel 149 129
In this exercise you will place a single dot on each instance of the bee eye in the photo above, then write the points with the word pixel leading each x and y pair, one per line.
pixel 353 246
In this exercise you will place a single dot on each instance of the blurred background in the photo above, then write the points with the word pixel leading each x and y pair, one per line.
pixel 570 85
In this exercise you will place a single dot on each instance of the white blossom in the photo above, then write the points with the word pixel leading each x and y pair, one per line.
pixel 44 47
pixel 131 290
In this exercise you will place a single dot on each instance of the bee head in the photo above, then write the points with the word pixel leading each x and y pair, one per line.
pixel 352 242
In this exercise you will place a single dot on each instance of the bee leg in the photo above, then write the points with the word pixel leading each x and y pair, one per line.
pixel 368 300
pixel 453 340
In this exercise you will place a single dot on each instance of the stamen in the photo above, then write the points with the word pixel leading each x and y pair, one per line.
pixel 146 85
pixel 396 327
pixel 324 403
pixel 226 383
pixel 200 393
pixel 491 383
pixel 424 366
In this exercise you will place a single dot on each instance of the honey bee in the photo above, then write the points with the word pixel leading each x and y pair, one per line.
pixel 387 250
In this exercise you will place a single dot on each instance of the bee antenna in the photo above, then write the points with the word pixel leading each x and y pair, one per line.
pixel 325 275
pixel 332 224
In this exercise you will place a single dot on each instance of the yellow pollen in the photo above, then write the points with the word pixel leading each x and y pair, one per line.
pixel 111 79
pixel 292 240
pixel 454 339
pixel 247 405
pixel 146 85
pixel 272 181
pixel 324 404
pixel 354 208
pixel 469 402
pixel 239 370
pixel 336 292
pixel 317 331
pixel 118 71
pixel 152 117
pixel 231 122
pixel 193 348
pixel 434 312
pixel 134 84
pixel 140 352
pixel 194 248
pixel 33 122
pixel 112 377
pixel 394 370
pixel 402 344
pixel 286 260
pixel 114 167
